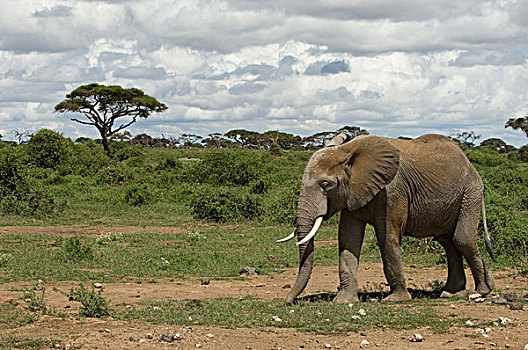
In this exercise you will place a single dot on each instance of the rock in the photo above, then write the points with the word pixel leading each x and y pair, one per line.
pixel 98 285
pixel 177 336
pixel 516 306
pixel 526 347
pixel 248 271
pixel 195 303
pixel 511 297
pixel 328 346
pixel 167 337
pixel 13 302
pixel 453 306
pixel 260 285
pixel 205 282
pixel 149 336
pixel 286 286
pixel 210 335
pixel 131 339
pixel 198 345
pixel 106 330
pixel 276 319
pixel 38 287
pixel 364 343
pixel 271 257
pixel 479 300
pixel 504 320
pixel 362 312
pixel 468 323
pixel 356 317
pixel 417 338
pixel 499 300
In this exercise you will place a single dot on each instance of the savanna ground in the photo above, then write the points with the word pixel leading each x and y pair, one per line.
pixel 150 300
pixel 165 234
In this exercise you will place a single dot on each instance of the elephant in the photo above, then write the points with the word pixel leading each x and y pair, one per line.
pixel 422 187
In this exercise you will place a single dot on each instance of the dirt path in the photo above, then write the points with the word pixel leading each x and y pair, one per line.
pixel 113 334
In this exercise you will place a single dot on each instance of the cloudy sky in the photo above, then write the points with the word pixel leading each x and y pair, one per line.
pixel 393 67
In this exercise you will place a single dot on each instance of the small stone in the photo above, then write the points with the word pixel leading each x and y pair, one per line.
pixel 194 303
pixel 286 286
pixel 356 317
pixel 260 285
pixel 141 341
pixel 516 306
pixel 526 347
pixel 479 300
pixel 106 330
pixel 198 345
pixel 271 257
pixel 417 338
pixel 98 285
pixel 511 297
pixel 328 346
pixel 350 305
pixel 364 343
pixel 499 300
pixel 248 271
pixel 167 337
pixel 205 282
pixel 177 336
pixel 13 302
pixel 504 320
pixel 453 306
pixel 38 287
pixel 156 308
pixel 129 306
pixel 276 319
pixel 131 339
pixel 475 296
pixel 493 344
pixel 468 323
pixel 149 336
pixel 210 335
pixel 362 312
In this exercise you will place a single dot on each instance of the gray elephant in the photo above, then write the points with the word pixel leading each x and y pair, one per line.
pixel 422 187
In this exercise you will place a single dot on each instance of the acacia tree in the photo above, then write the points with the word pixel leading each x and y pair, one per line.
pixel 518 123
pixel 103 105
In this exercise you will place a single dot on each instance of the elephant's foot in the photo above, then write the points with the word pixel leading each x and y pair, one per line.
pixel 343 297
pixel 447 295
pixel 398 295
pixel 483 289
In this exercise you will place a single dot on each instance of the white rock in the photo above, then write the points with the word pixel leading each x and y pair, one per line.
pixel 505 320
pixel 210 335
pixel 526 347
pixel 417 338
pixel 479 300
pixel 453 306
pixel 177 336
pixel 277 319
pixel 475 296
pixel 98 285
pixel 485 335
pixel 198 345
pixel 356 317
pixel 350 305
pixel 107 330
pixel 364 343
pixel 141 340
pixel 362 312
pixel 468 323
pixel 328 346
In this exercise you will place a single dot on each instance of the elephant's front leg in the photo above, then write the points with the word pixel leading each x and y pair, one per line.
pixel 351 232
pixel 389 238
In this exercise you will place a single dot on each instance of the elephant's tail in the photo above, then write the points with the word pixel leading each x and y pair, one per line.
pixel 487 240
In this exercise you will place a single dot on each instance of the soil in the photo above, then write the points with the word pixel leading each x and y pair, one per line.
pixel 107 333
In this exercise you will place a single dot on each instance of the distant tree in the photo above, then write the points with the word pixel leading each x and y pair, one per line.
pixel 142 140
pixel 518 124
pixel 103 105
pixel 319 139
pixel 466 139
pixel 121 136
pixel 497 144
pixel 215 140
pixel 244 138
pixel 352 131
pixel 284 140
pixel 189 140
pixel 22 135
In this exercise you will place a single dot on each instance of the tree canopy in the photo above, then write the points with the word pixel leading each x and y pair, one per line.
pixel 518 124
pixel 103 105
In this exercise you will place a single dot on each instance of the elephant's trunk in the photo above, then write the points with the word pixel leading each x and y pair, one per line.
pixel 306 259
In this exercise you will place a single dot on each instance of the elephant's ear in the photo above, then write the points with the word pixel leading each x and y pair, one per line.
pixel 372 163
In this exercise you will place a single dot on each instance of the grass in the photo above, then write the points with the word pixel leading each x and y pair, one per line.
pixel 14 342
pixel 322 317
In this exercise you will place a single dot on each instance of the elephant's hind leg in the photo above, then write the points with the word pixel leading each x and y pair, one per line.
pixel 465 241
pixel 456 277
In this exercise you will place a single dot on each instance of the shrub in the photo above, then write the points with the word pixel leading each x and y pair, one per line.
pixel 74 250
pixel 88 159
pixel 137 194
pixel 114 175
pixel 231 167
pixel 486 157
pixel 221 204
pixel 49 149
pixel 19 194
pixel 522 153
pixel 128 152
pixel 93 304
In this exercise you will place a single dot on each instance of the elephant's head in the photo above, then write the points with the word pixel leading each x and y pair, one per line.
pixel 341 175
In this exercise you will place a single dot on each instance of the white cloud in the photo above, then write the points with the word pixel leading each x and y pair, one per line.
pixel 393 67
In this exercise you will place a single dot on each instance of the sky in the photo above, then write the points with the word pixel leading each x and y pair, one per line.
pixel 393 67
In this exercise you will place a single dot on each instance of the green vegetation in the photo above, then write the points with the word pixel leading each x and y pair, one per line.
pixel 222 210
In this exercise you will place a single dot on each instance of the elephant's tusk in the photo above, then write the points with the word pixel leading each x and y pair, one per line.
pixel 285 239
pixel 312 233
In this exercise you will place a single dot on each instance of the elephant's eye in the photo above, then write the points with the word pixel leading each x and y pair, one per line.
pixel 325 185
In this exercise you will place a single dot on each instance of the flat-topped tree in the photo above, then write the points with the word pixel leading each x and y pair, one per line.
pixel 103 105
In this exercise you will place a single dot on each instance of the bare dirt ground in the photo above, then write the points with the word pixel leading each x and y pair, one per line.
pixel 113 334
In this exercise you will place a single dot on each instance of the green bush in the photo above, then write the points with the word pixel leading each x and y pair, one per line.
pixel 222 204
pixel 93 304
pixel 137 194
pixel 49 149
pixel 114 175
pixel 522 154
pixel 75 250
pixel 19 193
pixel 486 157
pixel 128 152
pixel 88 159
pixel 231 167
